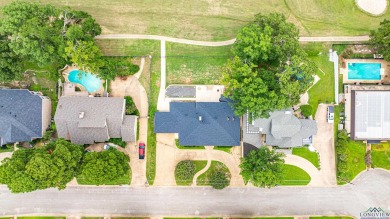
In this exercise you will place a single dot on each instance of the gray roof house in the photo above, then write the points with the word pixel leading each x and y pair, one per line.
pixel 86 120
pixel 24 115
pixel 282 129
pixel 200 123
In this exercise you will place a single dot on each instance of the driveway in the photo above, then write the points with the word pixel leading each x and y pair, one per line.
pixel 168 156
pixel 370 189
pixel 133 88
pixel 324 144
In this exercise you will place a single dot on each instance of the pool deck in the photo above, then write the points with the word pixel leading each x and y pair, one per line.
pixel 69 88
pixel 385 77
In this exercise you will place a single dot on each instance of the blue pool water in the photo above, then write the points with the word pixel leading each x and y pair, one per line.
pixel 364 71
pixel 89 81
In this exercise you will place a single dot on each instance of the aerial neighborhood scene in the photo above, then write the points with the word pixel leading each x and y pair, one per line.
pixel 275 109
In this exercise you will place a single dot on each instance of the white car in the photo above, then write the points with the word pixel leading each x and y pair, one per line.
pixel 330 114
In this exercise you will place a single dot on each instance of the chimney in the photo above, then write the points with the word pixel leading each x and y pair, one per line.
pixel 81 115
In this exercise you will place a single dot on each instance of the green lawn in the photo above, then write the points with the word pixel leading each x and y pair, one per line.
pixel 323 90
pixel 199 165
pixel 124 180
pixel 41 217
pixel 203 180
pixel 380 155
pixel 356 151
pixel 293 175
pixel 7 148
pixel 308 155
pixel 211 20
pixel 227 149
pixel 188 147
pixel 188 64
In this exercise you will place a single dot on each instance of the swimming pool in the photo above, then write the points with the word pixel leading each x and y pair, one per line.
pixel 364 71
pixel 89 81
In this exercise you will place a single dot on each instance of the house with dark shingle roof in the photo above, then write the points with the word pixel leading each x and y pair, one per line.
pixel 281 129
pixel 200 123
pixel 24 115
pixel 87 120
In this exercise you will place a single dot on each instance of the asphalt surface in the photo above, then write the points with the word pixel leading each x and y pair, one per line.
pixel 370 189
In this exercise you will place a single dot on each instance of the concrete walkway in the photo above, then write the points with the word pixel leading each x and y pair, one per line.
pixel 194 180
pixel 141 68
pixel 228 42
pixel 162 105
pixel 133 88
pixel 309 168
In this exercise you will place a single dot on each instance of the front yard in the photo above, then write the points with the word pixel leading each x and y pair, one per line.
pixel 380 155
pixel 308 155
pixel 294 176
pixel 204 179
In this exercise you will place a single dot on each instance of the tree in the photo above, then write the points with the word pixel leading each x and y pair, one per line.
pixel 268 39
pixel 39 33
pixel 380 39
pixel 269 71
pixel 100 168
pixel 85 54
pixel 185 170
pixel 10 63
pixel 306 110
pixel 262 167
pixel 219 180
pixel 53 165
pixel 117 66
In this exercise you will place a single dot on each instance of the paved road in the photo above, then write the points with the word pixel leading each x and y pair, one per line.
pixel 371 189
pixel 227 42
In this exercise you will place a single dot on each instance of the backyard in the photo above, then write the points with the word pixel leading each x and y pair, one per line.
pixel 215 20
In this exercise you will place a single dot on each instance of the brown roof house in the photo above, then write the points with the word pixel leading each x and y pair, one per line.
pixel 86 120
pixel 24 115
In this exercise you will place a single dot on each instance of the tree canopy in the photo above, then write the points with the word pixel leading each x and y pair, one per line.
pixel 104 167
pixel 380 39
pixel 53 165
pixel 262 167
pixel 40 33
pixel 270 70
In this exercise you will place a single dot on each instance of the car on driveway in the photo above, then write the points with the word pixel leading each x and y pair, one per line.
pixel 330 114
pixel 141 150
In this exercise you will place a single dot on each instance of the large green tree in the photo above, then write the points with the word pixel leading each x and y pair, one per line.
pixel 104 167
pixel 262 167
pixel 270 70
pixel 39 33
pixel 9 62
pixel 53 165
pixel 380 39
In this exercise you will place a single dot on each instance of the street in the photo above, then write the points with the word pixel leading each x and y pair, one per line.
pixel 370 189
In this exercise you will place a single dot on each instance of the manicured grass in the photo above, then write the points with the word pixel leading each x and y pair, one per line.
pixel 188 147
pixel 273 218
pixel 203 180
pixel 203 20
pixel 188 64
pixel 380 155
pixel 124 180
pixel 7 148
pixel 356 151
pixel 132 48
pixel 227 149
pixel 41 217
pixel 92 217
pixel 199 165
pixel 323 90
pixel 308 155
pixel 293 175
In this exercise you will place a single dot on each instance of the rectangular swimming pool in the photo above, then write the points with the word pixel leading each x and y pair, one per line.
pixel 364 71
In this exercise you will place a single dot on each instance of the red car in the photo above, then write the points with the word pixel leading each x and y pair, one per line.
pixel 141 150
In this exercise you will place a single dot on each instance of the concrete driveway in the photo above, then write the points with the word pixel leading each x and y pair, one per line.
pixel 324 144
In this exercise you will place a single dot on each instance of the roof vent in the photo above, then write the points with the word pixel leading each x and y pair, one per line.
pixel 228 118
pixel 200 118
pixel 233 118
pixel 81 115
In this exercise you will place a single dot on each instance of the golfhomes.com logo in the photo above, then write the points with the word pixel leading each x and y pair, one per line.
pixel 375 213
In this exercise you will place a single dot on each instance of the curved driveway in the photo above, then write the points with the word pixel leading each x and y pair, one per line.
pixel 371 189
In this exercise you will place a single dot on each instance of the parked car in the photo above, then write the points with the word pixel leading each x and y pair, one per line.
pixel 330 114
pixel 141 150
